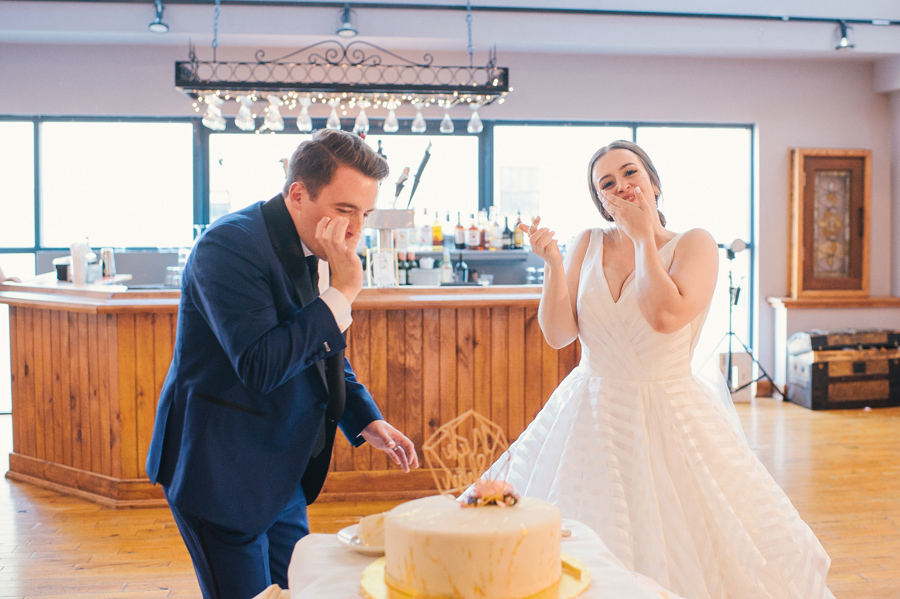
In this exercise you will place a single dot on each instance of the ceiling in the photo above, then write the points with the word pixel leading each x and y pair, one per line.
pixel 774 29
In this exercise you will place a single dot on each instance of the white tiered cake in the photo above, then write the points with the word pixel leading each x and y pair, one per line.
pixel 436 548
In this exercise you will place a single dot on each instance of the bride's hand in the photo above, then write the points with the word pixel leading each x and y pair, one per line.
pixel 543 243
pixel 636 218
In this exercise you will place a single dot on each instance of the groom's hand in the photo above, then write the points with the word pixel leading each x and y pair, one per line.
pixel 381 435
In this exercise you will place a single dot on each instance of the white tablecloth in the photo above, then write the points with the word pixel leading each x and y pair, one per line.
pixel 322 568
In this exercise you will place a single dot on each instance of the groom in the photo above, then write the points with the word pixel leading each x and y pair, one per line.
pixel 258 382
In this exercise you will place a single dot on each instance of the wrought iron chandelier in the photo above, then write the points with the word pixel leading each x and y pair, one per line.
pixel 352 77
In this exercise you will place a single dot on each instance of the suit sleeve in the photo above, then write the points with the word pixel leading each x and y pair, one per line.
pixel 360 409
pixel 231 282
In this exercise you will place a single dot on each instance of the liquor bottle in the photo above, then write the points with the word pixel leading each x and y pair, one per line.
pixel 496 232
pixel 518 234
pixel 507 234
pixel 446 267
pixel 448 233
pixel 425 232
pixel 461 270
pixel 485 227
pixel 402 269
pixel 437 234
pixel 473 235
pixel 459 234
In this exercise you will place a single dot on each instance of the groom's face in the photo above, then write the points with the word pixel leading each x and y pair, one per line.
pixel 349 194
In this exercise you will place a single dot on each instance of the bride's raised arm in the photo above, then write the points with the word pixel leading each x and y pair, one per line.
pixel 670 300
pixel 557 313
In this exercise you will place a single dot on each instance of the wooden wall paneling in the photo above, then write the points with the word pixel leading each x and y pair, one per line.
pixel 360 457
pixel 396 370
pixel 448 365
pixel 415 394
pixel 55 403
pixel 29 383
pixel 93 354
pixel 103 378
pixel 66 397
pixel 534 350
pixel 379 348
pixel 128 414
pixel 482 361
pixel 465 360
pixel 114 407
pixel 499 371
pixel 17 359
pixel 145 386
pixel 566 361
pixel 83 392
pixel 357 353
pixel 516 372
pixel 42 435
pixel 431 371
pixel 164 344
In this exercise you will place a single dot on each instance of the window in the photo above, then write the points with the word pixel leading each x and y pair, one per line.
pixel 16 184
pixel 247 168
pixel 120 184
pixel 706 175
pixel 542 171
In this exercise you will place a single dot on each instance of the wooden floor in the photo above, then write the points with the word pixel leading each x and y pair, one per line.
pixel 840 469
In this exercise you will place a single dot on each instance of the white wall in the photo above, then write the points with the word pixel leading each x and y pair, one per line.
pixel 794 103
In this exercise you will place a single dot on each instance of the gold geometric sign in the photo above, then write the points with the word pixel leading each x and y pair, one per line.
pixel 460 451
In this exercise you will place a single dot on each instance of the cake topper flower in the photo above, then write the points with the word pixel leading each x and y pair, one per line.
pixel 490 492
pixel 460 451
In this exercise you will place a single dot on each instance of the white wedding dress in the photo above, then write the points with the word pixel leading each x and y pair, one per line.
pixel 645 453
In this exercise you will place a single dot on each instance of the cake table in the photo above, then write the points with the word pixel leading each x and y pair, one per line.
pixel 322 568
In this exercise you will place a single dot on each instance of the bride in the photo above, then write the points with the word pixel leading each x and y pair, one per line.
pixel 632 443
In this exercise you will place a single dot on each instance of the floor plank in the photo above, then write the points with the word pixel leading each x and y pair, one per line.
pixel 840 469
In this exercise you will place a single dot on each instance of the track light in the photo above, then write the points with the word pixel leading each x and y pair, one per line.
pixel 158 26
pixel 346 29
pixel 844 40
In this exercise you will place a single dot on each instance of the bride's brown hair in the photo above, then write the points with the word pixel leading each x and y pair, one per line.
pixel 648 166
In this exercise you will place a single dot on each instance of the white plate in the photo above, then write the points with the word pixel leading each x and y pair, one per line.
pixel 347 537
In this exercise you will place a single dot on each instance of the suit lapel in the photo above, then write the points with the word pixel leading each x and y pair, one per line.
pixel 286 244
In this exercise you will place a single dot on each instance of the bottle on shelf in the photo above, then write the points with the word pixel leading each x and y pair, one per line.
pixel 461 270
pixel 446 267
pixel 473 235
pixel 507 235
pixel 448 233
pixel 496 232
pixel 459 234
pixel 424 241
pixel 437 234
pixel 402 269
pixel 518 234
pixel 485 226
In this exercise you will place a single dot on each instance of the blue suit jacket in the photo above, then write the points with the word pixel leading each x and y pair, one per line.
pixel 243 402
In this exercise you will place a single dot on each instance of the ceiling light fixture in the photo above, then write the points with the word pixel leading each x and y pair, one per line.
pixel 158 26
pixel 844 32
pixel 355 76
pixel 346 28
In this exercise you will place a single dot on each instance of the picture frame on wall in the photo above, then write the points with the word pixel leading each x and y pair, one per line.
pixel 830 193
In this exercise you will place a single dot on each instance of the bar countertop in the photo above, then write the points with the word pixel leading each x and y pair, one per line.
pixel 45 290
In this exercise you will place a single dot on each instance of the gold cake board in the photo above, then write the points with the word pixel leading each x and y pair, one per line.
pixel 575 580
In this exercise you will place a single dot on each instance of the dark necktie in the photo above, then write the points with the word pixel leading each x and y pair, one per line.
pixel 312 262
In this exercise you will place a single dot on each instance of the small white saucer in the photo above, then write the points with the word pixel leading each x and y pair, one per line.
pixel 347 537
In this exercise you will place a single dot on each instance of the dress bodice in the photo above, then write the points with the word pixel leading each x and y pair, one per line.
pixel 617 341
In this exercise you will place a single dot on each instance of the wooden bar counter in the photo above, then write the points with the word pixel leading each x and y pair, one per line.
pixel 88 363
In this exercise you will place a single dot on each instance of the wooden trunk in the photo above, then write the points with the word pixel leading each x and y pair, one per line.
pixel 844 378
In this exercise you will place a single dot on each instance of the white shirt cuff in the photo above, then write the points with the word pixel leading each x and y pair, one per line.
pixel 339 306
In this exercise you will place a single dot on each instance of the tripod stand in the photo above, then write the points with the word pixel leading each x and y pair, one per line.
pixel 733 294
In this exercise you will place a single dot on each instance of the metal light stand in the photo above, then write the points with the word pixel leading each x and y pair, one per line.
pixel 733 295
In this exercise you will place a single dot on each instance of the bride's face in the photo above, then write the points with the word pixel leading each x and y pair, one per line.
pixel 619 172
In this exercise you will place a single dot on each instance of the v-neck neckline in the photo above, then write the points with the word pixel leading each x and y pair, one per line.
pixel 628 279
